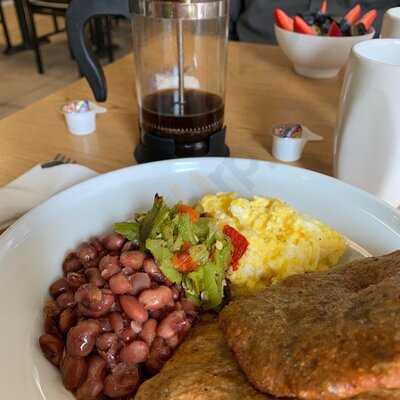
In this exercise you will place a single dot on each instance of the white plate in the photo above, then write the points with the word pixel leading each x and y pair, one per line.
pixel 32 250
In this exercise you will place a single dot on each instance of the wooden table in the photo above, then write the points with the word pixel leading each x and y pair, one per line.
pixel 262 90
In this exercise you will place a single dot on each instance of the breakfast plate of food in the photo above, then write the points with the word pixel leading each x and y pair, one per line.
pixel 216 278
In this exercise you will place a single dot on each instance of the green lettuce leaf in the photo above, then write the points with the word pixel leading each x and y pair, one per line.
pixel 213 286
pixel 199 253
pixel 163 256
pixel 185 229
pixel 130 230
pixel 151 225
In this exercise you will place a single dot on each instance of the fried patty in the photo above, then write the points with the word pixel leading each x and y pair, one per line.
pixel 203 368
pixel 322 335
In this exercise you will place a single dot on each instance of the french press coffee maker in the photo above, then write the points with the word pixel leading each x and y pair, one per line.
pixel 180 50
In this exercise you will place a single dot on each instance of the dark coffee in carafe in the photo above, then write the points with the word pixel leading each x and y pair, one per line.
pixel 201 114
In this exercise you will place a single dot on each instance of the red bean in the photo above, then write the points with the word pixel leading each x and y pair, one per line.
pixel 132 259
pixel 172 324
pixel 103 309
pixel 109 266
pixel 105 324
pixel 173 341
pixel 50 326
pixel 82 338
pixel 74 371
pixel 119 284
pixel 75 280
pixel 149 331
pixel 184 329
pixel 87 253
pixel 127 271
pixel 51 312
pixel 188 305
pixel 92 301
pixel 72 263
pixel 93 384
pixel 139 281
pixel 133 309
pixel 58 287
pixel 67 320
pixel 51 309
pixel 127 246
pixel 150 266
pixel 136 327
pixel 154 285
pixel 111 356
pixel 97 245
pixel 160 348
pixel 157 314
pixel 94 277
pixel 175 292
pixel 113 242
pixel 117 322
pixel 106 340
pixel 89 390
pixel 155 299
pixel 89 296
pixel 94 263
pixel 135 352
pixel 123 381
pixel 127 335
pixel 159 354
pixel 66 300
pixel 52 348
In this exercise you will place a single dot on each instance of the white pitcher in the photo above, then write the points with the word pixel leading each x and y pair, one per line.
pixel 391 23
pixel 367 135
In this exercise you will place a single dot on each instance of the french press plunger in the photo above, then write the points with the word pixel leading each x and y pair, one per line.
pixel 180 50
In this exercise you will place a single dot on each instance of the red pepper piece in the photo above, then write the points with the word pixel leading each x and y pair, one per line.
pixel 324 7
pixel 186 246
pixel 368 19
pixel 353 15
pixel 183 262
pixel 283 20
pixel 301 26
pixel 239 243
pixel 185 209
pixel 334 30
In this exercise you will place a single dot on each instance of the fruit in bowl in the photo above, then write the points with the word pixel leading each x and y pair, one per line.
pixel 318 43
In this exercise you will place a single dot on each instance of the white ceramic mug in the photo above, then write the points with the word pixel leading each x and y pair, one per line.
pixel 367 136
pixel 391 23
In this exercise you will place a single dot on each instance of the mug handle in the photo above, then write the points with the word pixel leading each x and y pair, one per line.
pixel 78 13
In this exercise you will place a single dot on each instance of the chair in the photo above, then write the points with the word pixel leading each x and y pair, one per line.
pixel 58 8
pixel 53 8
pixel 3 22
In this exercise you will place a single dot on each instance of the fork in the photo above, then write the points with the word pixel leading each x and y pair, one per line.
pixel 59 159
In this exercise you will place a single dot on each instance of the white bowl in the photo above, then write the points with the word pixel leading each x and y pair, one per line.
pixel 31 251
pixel 317 56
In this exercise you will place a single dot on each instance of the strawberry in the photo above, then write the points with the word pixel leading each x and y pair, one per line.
pixel 283 20
pixel 300 26
pixel 368 19
pixel 353 15
pixel 334 30
pixel 324 7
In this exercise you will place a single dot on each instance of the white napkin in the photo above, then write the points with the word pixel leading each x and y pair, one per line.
pixel 37 185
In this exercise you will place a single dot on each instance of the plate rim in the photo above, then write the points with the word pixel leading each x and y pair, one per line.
pixel 194 160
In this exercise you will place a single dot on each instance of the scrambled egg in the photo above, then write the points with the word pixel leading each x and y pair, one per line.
pixel 282 242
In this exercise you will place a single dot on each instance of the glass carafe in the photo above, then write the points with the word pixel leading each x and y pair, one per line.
pixel 180 50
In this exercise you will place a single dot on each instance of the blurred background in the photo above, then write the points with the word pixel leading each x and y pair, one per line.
pixel 35 59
